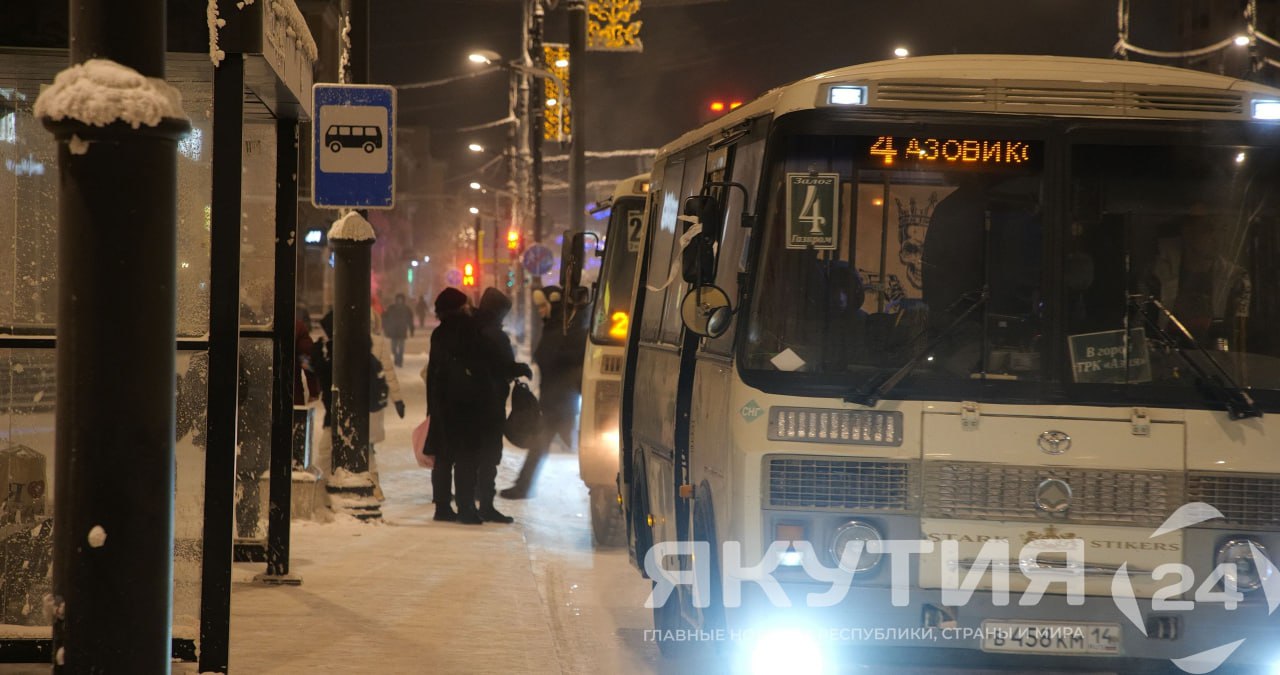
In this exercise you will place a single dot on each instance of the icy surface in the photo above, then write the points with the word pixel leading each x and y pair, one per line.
pixel 352 227
pixel 288 11
pixel 99 92
pixel 77 145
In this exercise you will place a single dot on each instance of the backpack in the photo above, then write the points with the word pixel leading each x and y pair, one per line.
pixel 378 389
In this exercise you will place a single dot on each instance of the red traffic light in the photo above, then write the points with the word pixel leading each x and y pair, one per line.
pixel 513 239
pixel 468 275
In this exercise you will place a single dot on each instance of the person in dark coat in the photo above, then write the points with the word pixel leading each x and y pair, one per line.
pixel 501 368
pixel 559 357
pixel 421 311
pixel 456 393
pixel 397 325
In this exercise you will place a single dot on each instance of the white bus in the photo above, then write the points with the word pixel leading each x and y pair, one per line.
pixel 983 305
pixel 602 360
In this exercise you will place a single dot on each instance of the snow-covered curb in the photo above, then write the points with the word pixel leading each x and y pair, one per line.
pixel 99 92
pixel 352 227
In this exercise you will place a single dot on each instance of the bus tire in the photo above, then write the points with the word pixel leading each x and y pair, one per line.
pixel 704 529
pixel 607 525
pixel 335 147
pixel 369 146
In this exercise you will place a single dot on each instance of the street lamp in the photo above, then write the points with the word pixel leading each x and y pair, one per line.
pixel 475 147
pixel 901 52
pixel 473 210
pixel 475 186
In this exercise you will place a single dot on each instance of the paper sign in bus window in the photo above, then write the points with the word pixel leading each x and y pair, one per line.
pixel 812 205
pixel 1104 358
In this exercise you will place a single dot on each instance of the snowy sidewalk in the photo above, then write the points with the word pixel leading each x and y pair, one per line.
pixel 409 595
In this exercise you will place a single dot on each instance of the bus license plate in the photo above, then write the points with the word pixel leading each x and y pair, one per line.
pixel 1023 637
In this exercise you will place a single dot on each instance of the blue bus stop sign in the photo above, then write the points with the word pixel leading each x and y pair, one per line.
pixel 453 278
pixel 353 146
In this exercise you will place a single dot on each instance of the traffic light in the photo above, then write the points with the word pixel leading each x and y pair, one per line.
pixel 513 240
pixel 511 278
pixel 468 275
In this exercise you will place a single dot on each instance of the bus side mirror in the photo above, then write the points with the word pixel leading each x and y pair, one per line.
pixel 571 261
pixel 698 260
pixel 706 311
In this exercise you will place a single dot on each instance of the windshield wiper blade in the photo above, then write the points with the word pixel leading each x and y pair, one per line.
pixel 883 387
pixel 1220 385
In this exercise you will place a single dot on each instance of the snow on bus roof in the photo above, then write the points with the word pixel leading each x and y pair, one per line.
pixel 987 68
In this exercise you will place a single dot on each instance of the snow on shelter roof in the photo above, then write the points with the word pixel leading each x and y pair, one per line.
pixel 99 92
pixel 992 72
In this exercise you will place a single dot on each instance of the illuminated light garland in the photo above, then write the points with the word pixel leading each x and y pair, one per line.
pixel 611 26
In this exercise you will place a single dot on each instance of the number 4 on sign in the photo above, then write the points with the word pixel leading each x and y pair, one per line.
pixel 883 147
pixel 811 211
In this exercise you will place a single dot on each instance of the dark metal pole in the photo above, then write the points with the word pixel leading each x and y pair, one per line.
pixel 285 359
pixel 538 127
pixel 350 485
pixel 224 367
pixel 114 462
pixel 578 107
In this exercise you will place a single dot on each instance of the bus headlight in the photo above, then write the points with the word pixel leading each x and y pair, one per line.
pixel 850 533
pixel 786 651
pixel 1250 571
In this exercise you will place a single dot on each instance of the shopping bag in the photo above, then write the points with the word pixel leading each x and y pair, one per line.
pixel 525 419
pixel 420 444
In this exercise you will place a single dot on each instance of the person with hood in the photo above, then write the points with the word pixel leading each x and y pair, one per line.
pixel 381 351
pixel 559 357
pixel 456 393
pixel 500 369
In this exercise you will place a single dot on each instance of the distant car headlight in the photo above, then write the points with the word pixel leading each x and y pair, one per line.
pixel 1250 572
pixel 851 532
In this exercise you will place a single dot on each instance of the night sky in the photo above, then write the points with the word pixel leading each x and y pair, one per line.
pixel 696 52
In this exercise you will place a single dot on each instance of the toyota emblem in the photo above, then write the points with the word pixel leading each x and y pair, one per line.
pixel 1054 442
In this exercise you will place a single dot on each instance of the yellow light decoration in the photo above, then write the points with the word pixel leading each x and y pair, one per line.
pixel 611 26
pixel 557 119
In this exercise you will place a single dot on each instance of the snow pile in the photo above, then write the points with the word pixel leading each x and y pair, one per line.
pixel 99 92
pixel 211 16
pixel 352 227
pixel 78 146
pixel 297 29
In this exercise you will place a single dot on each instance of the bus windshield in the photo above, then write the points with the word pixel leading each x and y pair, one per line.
pixel 881 249
pixel 611 318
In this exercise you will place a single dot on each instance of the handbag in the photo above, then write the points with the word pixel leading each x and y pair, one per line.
pixel 524 422
pixel 420 454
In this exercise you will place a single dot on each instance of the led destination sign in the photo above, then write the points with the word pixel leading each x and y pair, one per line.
pixel 984 152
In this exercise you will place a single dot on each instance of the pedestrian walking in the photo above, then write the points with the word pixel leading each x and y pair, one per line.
pixel 456 392
pixel 422 309
pixel 500 368
pixel 559 357
pixel 397 325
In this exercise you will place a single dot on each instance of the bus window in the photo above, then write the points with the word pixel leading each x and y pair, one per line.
pixel 903 261
pixel 612 319
pixel 663 226
pixel 1191 226
pixel 692 185
pixel 746 166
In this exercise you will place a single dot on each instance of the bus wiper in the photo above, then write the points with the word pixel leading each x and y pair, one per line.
pixel 975 298
pixel 1221 385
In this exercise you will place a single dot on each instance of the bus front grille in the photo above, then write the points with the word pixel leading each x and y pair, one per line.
pixel 841 484
pixel 976 490
pixel 1244 500
pixel 610 364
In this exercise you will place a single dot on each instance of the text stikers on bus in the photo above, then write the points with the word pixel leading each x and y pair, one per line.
pixel 951 150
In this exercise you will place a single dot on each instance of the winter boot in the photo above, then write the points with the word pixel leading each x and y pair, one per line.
pixel 445 512
pixel 492 515
pixel 469 516
pixel 516 491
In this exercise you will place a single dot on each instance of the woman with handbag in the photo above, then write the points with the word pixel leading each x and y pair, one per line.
pixel 456 394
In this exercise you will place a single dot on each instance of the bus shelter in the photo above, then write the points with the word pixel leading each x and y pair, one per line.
pixel 237 210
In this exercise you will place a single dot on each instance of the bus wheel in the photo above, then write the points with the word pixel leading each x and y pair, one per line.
pixel 368 146
pixel 335 146
pixel 606 517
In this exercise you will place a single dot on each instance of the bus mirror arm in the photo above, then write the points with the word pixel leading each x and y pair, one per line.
pixel 748 219
pixel 1220 385
pixel 883 387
